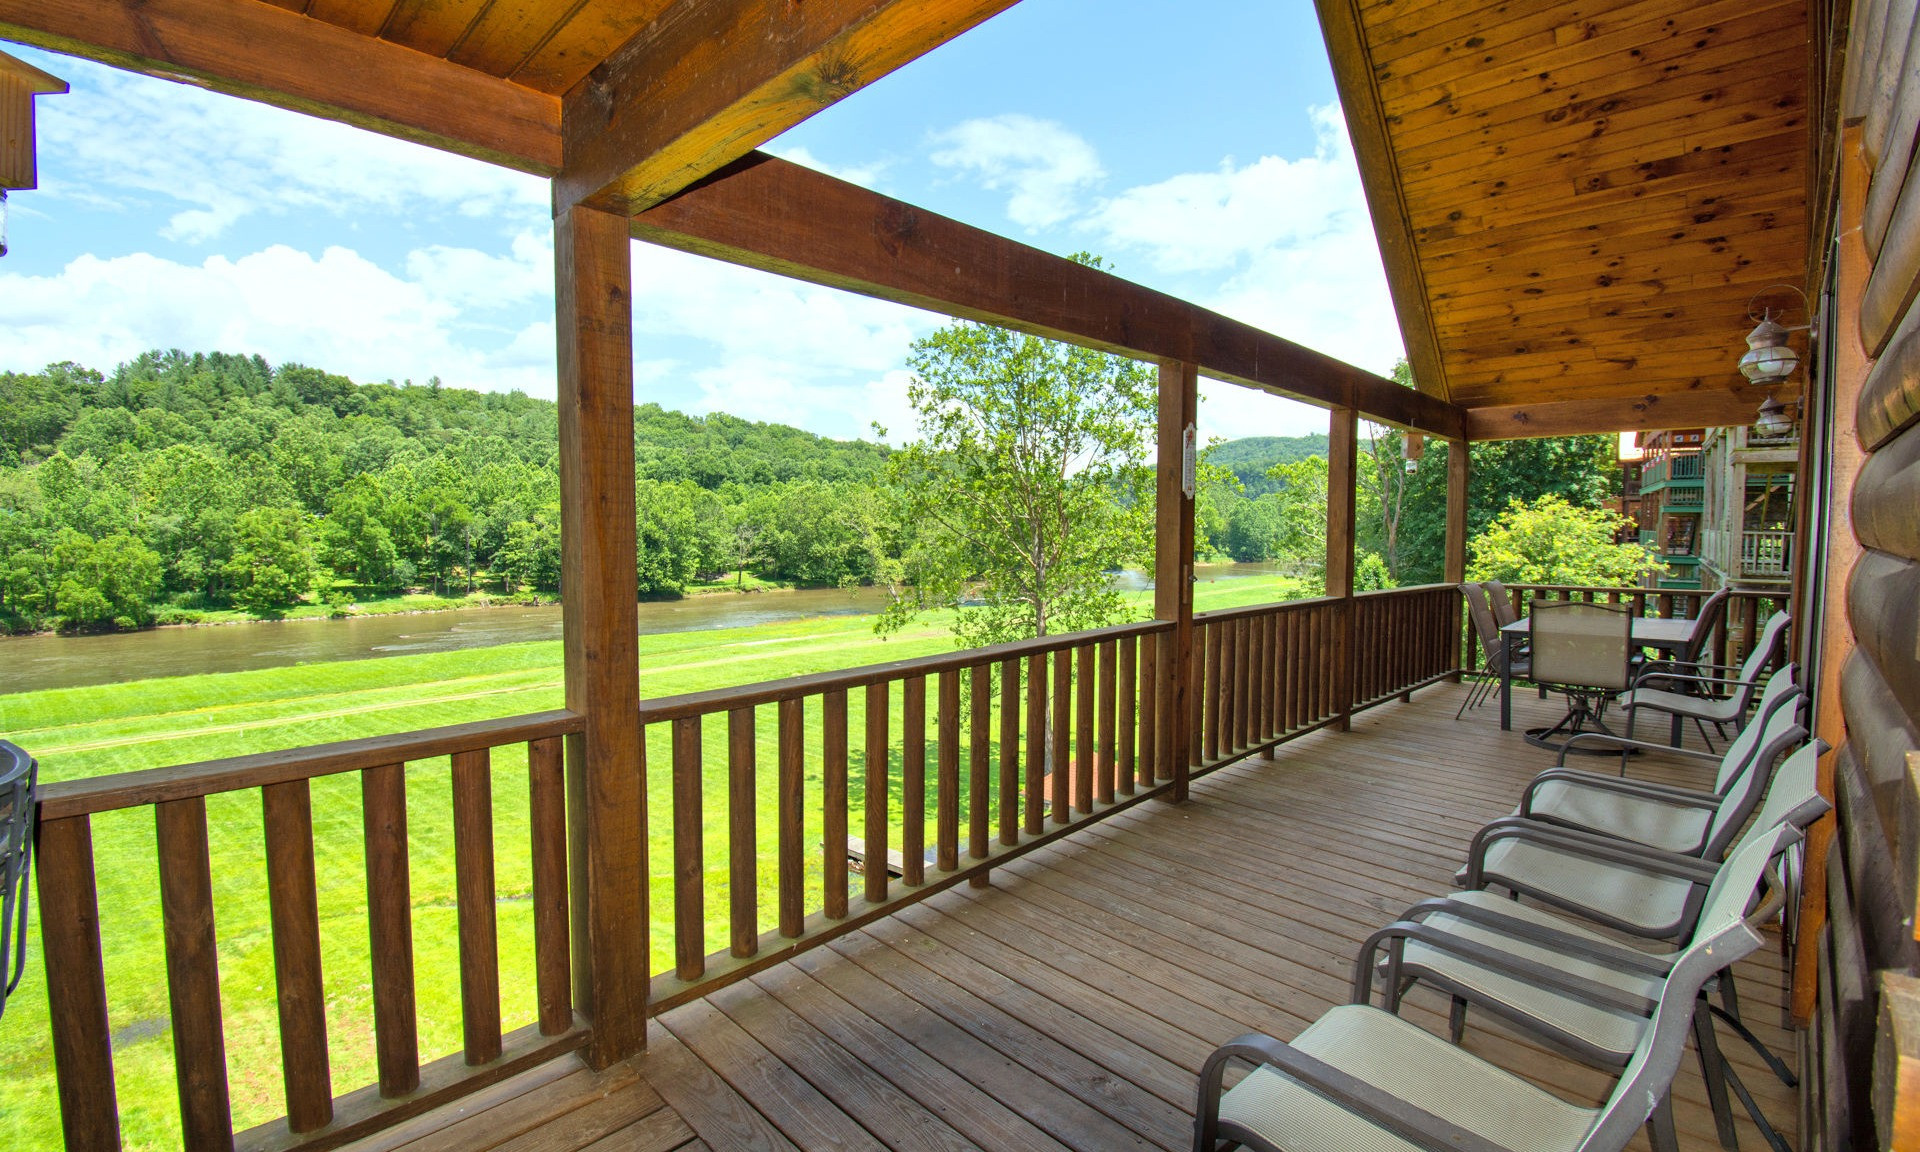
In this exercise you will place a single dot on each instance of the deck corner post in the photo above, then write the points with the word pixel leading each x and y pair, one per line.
pixel 1173 561
pixel 1343 452
pixel 606 793
pixel 1459 457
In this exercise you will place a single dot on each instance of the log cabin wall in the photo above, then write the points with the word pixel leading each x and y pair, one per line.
pixel 1862 1041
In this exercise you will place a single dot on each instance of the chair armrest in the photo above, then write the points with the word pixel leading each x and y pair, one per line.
pixel 1493 959
pixel 1614 955
pixel 1642 789
pixel 1370 1103
pixel 1625 742
pixel 1603 849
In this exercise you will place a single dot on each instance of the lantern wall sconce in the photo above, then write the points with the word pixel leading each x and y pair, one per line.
pixel 1413 447
pixel 1770 360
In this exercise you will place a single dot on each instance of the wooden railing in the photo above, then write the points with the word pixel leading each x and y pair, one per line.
pixel 983 755
pixel 315 1116
pixel 1403 639
pixel 1747 609
pixel 1263 674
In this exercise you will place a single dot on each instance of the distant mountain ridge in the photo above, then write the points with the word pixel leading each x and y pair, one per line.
pixel 1250 456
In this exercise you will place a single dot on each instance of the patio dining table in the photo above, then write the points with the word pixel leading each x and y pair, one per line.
pixel 1667 635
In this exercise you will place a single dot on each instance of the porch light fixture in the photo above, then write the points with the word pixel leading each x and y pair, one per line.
pixel 1769 360
pixel 1774 420
pixel 1413 447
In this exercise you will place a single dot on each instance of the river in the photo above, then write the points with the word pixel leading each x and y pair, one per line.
pixel 29 663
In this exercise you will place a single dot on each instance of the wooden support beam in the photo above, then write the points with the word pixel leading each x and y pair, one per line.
pixel 769 214
pixel 1173 565
pixel 703 84
pixel 263 52
pixel 20 82
pixel 1730 406
pixel 606 793
pixel 1343 479
pixel 1459 454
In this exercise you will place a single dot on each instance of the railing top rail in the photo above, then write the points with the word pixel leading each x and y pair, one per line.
pixel 231 774
pixel 1404 590
pixel 663 708
pixel 1219 614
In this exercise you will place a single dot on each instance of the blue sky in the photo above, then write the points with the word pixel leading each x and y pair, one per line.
pixel 1202 155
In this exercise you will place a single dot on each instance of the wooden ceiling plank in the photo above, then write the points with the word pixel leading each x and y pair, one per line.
pixel 1730 236
pixel 1466 237
pixel 1651 276
pixel 431 26
pixel 1395 30
pixel 506 33
pixel 364 17
pixel 705 83
pixel 1544 207
pixel 578 46
pixel 1499 253
pixel 1554 110
pixel 1379 179
pixel 253 49
pixel 769 214
pixel 1733 406
pixel 1633 36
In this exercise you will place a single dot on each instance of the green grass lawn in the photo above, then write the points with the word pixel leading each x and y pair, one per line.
pixel 84 732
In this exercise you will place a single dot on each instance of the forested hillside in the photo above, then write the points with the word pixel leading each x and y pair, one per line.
pixel 1250 457
pixel 185 482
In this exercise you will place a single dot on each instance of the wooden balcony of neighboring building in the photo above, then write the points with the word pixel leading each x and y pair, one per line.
pixel 1071 1003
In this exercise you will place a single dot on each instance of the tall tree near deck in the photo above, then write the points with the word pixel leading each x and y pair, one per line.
pixel 1030 482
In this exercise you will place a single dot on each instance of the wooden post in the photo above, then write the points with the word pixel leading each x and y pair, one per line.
pixel 1459 455
pixel 1850 368
pixel 606 793
pixel 1343 453
pixel 1173 563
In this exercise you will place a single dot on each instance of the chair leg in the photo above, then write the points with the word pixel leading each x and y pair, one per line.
pixel 1713 1072
pixel 1728 996
pixel 1457 1021
pixel 1660 1130
pixel 1752 1106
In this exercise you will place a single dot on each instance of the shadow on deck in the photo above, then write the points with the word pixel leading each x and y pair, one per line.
pixel 1071 1004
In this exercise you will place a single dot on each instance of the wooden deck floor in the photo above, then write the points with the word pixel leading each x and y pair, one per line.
pixel 1071 1004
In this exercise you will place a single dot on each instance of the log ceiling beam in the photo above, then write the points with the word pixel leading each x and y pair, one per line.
pixel 1731 406
pixel 261 52
pixel 766 213
pixel 704 83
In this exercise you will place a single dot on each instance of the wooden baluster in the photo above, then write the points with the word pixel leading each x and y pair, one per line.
pixel 1239 650
pixel 293 906
pixel 1213 692
pixel 1104 750
pixel 979 784
pixel 1009 753
pixel 1083 729
pixel 913 780
pixel 792 770
pixel 946 819
pixel 833 804
pixel 875 833
pixel 474 900
pixel 76 984
pixel 1148 763
pixel 383 804
pixel 193 973
pixel 743 849
pixel 1059 798
pixel 1126 703
pixel 547 821
pixel 689 853
pixel 1288 626
pixel 1036 739
pixel 1199 689
pixel 1264 680
pixel 1325 627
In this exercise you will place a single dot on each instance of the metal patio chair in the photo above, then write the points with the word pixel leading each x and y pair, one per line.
pixel 1361 1078
pixel 1707 697
pixel 1501 601
pixel 18 772
pixel 1586 652
pixel 1495 650
pixel 1693 822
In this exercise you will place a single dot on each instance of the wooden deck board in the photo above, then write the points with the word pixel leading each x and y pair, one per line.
pixel 1069 1006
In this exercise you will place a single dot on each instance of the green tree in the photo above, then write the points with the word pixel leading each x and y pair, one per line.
pixel 1030 482
pixel 1553 542
pixel 1300 518
pixel 105 582
pixel 272 565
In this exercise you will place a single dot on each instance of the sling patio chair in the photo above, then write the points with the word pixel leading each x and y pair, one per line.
pixel 1501 601
pixel 1586 652
pixel 1709 697
pixel 17 776
pixel 1689 821
pixel 1581 992
pixel 1627 887
pixel 1361 1079
pixel 1495 650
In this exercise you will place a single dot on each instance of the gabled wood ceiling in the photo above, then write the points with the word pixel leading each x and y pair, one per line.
pixel 1577 198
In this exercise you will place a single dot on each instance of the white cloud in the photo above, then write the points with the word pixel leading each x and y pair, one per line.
pixel 338 310
pixel 1042 164
pixel 865 175
pixel 118 137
